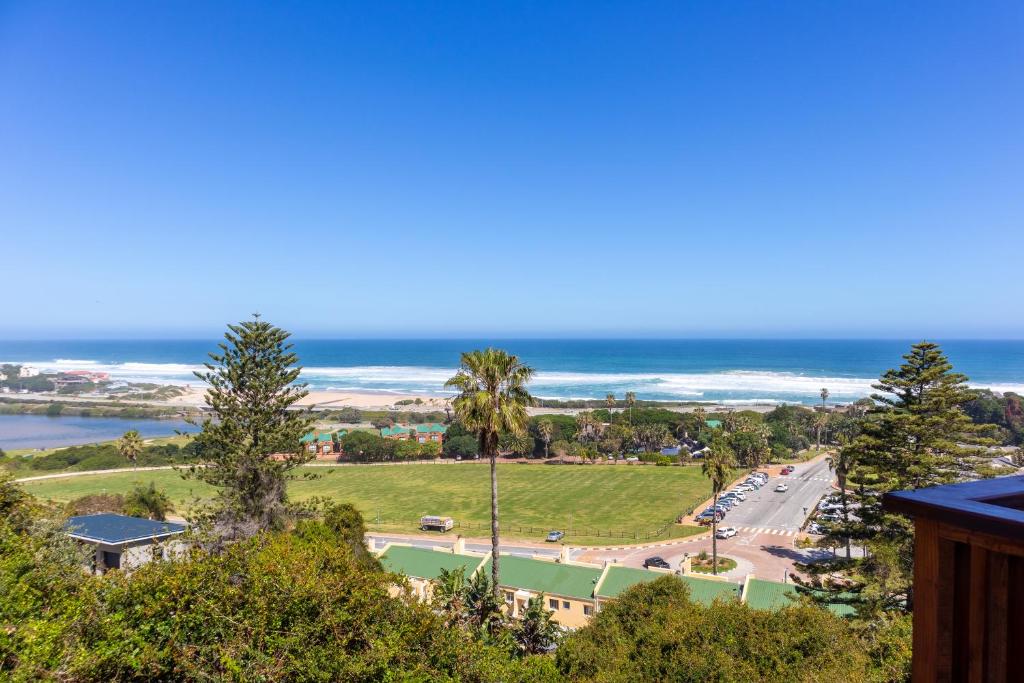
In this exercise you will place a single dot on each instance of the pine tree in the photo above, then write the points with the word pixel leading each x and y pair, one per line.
pixel 917 436
pixel 251 443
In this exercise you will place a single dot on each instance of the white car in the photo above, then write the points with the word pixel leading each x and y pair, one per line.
pixel 726 532
pixel 745 488
pixel 781 488
pixel 737 493
pixel 815 528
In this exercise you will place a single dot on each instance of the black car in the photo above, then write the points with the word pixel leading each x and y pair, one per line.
pixel 657 562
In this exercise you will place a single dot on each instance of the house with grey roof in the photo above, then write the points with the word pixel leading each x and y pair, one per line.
pixel 123 542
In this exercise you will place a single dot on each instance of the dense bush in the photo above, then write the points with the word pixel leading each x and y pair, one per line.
pixel 106 456
pixel 655 633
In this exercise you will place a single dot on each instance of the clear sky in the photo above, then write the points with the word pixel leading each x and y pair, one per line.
pixel 526 169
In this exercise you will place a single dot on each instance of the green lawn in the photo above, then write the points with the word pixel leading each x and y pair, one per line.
pixel 598 504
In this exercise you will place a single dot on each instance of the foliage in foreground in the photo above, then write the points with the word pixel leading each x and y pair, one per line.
pixel 280 606
pixel 655 633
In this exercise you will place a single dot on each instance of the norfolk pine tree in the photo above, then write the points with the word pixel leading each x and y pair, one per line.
pixel 917 436
pixel 251 443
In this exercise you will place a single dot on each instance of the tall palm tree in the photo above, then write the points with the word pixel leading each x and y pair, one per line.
pixel 842 462
pixel 546 429
pixel 609 400
pixel 130 446
pixel 492 399
pixel 702 418
pixel 717 466
pixel 820 423
pixel 824 397
pixel 630 401
pixel 586 426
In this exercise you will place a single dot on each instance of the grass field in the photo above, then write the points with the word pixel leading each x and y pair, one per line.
pixel 600 504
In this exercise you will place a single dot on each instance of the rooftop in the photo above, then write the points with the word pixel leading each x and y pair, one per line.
pixel 539 576
pixel 773 595
pixel 117 529
pixel 423 563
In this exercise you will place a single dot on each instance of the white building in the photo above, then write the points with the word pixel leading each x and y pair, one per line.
pixel 26 371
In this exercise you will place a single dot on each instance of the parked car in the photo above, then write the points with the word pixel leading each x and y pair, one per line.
pixel 828 517
pixel 555 536
pixel 788 469
pixel 657 562
pixel 632 458
pixel 815 528
pixel 738 493
pixel 745 488
pixel 781 488
pixel 726 503
pixel 759 475
pixel 726 532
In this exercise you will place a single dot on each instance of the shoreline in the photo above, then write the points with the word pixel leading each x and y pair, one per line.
pixel 193 399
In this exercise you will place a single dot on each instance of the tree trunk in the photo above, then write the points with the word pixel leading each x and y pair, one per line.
pixel 846 513
pixel 714 536
pixel 492 453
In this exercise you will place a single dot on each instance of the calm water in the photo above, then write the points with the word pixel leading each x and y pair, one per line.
pixel 734 371
pixel 39 431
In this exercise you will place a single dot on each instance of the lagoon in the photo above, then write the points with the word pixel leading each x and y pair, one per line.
pixel 40 431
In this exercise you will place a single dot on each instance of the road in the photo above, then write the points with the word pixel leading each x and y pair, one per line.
pixel 472 545
pixel 783 513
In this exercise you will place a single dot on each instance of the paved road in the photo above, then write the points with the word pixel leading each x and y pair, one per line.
pixel 507 548
pixel 782 514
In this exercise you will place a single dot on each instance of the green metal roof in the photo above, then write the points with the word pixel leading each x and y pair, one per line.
pixel 394 431
pixel 714 424
pixel 705 591
pixel 431 429
pixel 423 563
pixel 314 436
pixel 618 579
pixel 763 594
pixel 549 578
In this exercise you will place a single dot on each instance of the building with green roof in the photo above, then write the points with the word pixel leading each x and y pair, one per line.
pixel 423 565
pixel 618 579
pixel 319 443
pixel 568 588
pixel 424 433
pixel 772 595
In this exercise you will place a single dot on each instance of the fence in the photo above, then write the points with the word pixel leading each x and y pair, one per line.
pixel 582 532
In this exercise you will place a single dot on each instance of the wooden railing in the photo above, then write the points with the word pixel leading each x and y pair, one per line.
pixel 968 598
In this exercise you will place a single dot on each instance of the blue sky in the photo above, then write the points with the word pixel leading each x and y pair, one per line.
pixel 526 169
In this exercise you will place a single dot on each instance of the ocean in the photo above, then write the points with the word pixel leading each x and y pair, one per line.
pixel 724 371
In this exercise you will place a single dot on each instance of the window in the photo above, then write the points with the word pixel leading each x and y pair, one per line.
pixel 553 604
pixel 509 596
pixel 565 604
pixel 587 610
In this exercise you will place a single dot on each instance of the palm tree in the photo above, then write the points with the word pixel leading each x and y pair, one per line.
pixel 841 462
pixel 701 416
pixel 586 425
pixel 824 397
pixel 820 423
pixel 149 502
pixel 630 401
pixel 609 400
pixel 717 466
pixel 765 434
pixel 129 446
pixel 546 429
pixel 492 399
